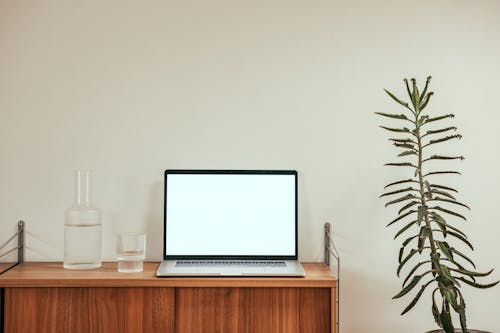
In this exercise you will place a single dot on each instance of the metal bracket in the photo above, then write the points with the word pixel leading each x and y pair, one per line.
pixel 20 242
pixel 331 251
pixel 20 245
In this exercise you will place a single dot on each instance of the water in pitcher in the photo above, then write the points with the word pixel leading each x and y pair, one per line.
pixel 82 228
pixel 82 248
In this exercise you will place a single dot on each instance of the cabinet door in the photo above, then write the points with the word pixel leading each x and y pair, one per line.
pixel 89 310
pixel 253 310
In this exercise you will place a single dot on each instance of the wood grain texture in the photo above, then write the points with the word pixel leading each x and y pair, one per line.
pixel 314 310
pixel 206 310
pixel 89 310
pixel 268 310
pixel 252 310
pixel 53 275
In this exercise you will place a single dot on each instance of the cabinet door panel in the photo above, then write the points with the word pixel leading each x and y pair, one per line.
pixel 89 310
pixel 269 310
pixel 206 310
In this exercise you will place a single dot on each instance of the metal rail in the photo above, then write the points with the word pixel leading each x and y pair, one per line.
pixel 20 246
pixel 331 251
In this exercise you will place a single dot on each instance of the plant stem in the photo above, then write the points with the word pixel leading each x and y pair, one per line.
pixel 421 179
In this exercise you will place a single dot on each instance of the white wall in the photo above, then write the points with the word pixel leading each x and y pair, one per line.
pixel 130 88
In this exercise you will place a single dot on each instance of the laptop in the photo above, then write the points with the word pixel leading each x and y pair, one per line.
pixel 230 223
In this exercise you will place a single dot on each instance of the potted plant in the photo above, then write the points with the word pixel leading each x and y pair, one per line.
pixel 427 211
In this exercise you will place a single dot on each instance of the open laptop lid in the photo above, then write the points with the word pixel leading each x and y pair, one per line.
pixel 230 214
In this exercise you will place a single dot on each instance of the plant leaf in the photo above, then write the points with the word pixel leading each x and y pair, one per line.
pixel 458 236
pixel 405 260
pixel 435 310
pixel 407 87
pixel 445 318
pixel 409 205
pixel 451 201
pixel 461 314
pixel 451 296
pixel 407 152
pixel 421 213
pixel 396 99
pixel 417 297
pixel 401 164
pixel 442 130
pixel 427 81
pixel 430 120
pixel 426 100
pixel 446 194
pixel 403 246
pixel 414 269
pixel 448 212
pixel 394 116
pixel 478 285
pixel 407 140
pixel 406 227
pixel 424 233
pixel 415 96
pixel 441 173
pixel 401 199
pixel 463 256
pixel 408 189
pixel 439 157
pixel 397 130
pixel 440 220
pixel 470 273
pixel 405 145
pixel 449 277
pixel 446 138
pixel 400 182
pixel 409 287
pixel 444 188
pixel 445 249
pixel 401 217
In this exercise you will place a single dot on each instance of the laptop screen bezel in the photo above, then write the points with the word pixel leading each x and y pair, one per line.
pixel 228 257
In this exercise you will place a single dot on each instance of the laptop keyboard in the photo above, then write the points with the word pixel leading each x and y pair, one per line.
pixel 229 263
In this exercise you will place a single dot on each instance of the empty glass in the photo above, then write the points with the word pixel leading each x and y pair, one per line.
pixel 130 251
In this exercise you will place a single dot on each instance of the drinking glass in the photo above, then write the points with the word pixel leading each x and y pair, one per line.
pixel 130 251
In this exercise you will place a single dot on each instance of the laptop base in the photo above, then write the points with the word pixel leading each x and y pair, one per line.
pixel 170 268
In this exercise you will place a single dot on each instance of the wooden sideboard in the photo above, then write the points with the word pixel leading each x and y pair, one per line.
pixel 43 297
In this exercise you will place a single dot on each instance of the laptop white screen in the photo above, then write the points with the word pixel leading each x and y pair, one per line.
pixel 230 214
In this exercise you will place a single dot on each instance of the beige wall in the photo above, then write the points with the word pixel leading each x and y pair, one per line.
pixel 130 88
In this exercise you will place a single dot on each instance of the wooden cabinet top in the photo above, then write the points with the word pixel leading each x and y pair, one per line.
pixel 37 274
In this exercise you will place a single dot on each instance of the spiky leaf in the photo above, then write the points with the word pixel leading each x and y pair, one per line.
pixel 406 227
pixel 409 287
pixel 399 101
pixel 478 285
pixel 446 138
pixel 405 260
pixel 400 217
pixel 408 189
pixel 439 157
pixel 442 130
pixel 400 182
pixel 447 188
pixel 442 173
pixel 430 120
pixel 397 130
pixel 447 211
pixel 416 298
pixel 407 206
pixel 455 202
pixel 394 116
pixel 401 199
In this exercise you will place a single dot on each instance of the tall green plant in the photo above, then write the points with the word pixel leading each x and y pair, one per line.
pixel 426 208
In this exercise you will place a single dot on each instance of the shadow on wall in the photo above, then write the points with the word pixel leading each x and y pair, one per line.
pixel 154 223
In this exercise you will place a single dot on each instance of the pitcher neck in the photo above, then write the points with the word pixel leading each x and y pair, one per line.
pixel 83 193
